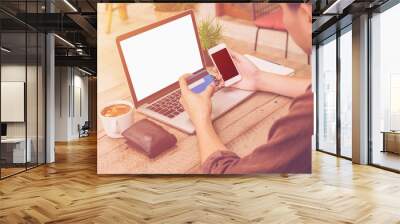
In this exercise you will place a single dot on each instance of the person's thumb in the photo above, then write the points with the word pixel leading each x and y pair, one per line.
pixel 209 91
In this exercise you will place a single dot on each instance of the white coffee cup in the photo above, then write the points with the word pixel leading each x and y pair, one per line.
pixel 115 125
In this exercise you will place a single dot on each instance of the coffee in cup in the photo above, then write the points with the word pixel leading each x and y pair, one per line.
pixel 115 110
pixel 116 117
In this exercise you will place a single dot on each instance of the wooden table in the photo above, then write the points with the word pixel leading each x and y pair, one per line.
pixel 241 129
pixel 391 141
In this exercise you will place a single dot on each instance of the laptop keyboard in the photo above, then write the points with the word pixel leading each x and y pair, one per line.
pixel 168 106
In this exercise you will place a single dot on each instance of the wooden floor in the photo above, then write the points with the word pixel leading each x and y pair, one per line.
pixel 11 170
pixel 386 159
pixel 69 191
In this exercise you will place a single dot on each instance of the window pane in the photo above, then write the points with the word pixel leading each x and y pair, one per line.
pixel 31 97
pixel 385 114
pixel 14 153
pixel 41 98
pixel 327 97
pixel 346 94
pixel 314 79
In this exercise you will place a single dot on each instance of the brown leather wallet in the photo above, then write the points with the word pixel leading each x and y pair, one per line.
pixel 149 137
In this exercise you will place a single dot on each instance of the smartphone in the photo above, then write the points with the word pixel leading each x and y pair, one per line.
pixel 224 63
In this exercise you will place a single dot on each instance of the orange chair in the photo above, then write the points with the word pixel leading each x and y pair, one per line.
pixel 272 20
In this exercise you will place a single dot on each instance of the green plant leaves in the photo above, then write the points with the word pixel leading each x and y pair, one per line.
pixel 210 33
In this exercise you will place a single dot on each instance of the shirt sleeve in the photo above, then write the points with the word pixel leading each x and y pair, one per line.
pixel 288 149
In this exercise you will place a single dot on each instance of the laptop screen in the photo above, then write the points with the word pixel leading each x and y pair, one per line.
pixel 157 57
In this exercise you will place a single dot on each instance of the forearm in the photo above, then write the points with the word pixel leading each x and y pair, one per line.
pixel 282 85
pixel 208 140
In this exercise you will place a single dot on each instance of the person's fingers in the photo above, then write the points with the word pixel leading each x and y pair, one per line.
pixel 209 91
pixel 214 70
pixel 243 61
pixel 183 103
pixel 219 82
pixel 218 78
pixel 183 84
pixel 215 74
pixel 237 58
pixel 181 100
pixel 235 55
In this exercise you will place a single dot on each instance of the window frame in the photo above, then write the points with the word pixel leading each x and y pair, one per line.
pixel 334 37
pixel 381 9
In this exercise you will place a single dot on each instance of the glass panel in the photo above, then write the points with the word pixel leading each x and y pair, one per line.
pixel 314 79
pixel 346 94
pixel 31 98
pixel 13 87
pixel 394 101
pixel 41 99
pixel 77 113
pixel 327 97
pixel 23 90
pixel 31 88
pixel 385 89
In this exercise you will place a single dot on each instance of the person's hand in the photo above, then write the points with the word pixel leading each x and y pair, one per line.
pixel 219 81
pixel 247 70
pixel 197 105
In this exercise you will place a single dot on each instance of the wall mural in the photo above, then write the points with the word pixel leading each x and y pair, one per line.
pixel 204 88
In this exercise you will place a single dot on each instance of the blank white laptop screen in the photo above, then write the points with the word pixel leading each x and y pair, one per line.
pixel 158 57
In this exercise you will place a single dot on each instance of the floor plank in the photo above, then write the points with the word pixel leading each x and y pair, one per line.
pixel 70 191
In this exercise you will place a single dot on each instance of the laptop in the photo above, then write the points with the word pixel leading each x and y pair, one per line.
pixel 155 56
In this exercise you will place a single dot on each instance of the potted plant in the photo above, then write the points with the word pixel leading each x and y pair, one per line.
pixel 173 7
pixel 210 34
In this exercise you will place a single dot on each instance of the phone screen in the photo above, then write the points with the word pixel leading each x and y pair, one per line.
pixel 224 63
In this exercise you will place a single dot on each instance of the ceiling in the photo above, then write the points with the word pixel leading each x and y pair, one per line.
pixel 74 22
pixel 329 16
pixel 16 42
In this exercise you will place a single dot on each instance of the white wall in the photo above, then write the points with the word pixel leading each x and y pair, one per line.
pixel 70 81
pixel 11 73
pixel 80 84
pixel 62 81
pixel 15 72
pixel 33 127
